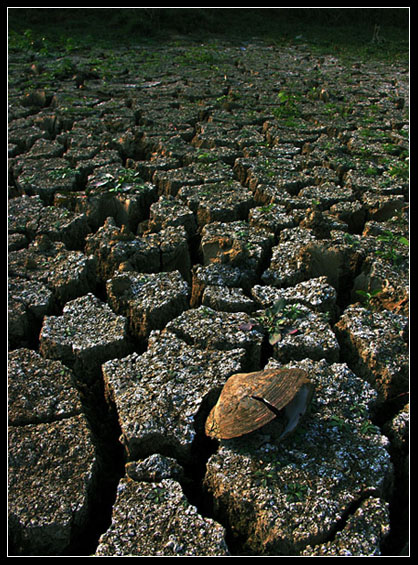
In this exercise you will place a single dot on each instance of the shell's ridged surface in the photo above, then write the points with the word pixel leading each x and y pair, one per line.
pixel 239 409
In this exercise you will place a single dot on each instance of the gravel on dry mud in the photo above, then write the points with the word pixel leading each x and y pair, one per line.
pixel 179 213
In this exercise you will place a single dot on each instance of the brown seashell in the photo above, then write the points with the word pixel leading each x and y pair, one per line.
pixel 248 401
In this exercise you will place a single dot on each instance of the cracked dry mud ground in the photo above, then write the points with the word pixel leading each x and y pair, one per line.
pixel 157 214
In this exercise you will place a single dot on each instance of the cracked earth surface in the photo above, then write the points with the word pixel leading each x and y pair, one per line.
pixel 163 201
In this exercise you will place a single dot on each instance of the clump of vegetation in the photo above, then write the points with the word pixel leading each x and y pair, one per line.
pixel 367 296
pixel 288 107
pixel 126 179
pixel 278 319
pixel 392 242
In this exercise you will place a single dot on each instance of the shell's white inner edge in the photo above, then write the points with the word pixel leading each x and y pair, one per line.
pixel 295 409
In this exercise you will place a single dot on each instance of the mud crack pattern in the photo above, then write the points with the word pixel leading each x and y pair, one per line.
pixel 196 211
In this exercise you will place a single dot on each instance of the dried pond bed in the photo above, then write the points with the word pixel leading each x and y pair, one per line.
pixel 155 222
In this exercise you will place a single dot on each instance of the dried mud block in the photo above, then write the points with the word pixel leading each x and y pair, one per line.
pixel 397 431
pixel 227 299
pixel 298 332
pixel 282 497
pixel 45 149
pixel 334 258
pixel 217 274
pixel 386 282
pixel 23 215
pixel 28 302
pixel 46 177
pixel 120 250
pixel 174 250
pixel 60 224
pixel 22 134
pixel 149 301
pixel 168 211
pixel 39 390
pixel 314 293
pixel 217 202
pixel 116 192
pixel 374 345
pixel 161 524
pixel 352 213
pixel 273 218
pixel 52 471
pixel 86 335
pixel 362 182
pixel 227 155
pixel 215 134
pixel 209 329
pixel 309 336
pixel 236 244
pixel 321 223
pixel 362 535
pixel 268 178
pixel 67 274
pixel 155 468
pixel 286 268
pixel 381 208
pixel 156 163
pixel 28 215
pixel 169 182
pixel 161 394
pixel 300 136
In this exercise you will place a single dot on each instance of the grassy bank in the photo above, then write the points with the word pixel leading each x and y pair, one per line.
pixel 344 31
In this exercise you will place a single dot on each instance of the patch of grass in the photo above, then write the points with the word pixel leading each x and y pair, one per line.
pixel 341 32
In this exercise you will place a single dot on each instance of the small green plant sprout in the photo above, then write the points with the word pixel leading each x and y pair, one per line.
pixel 368 296
pixel 58 174
pixel 368 428
pixel 351 240
pixel 126 179
pixel 392 242
pixel 295 492
pixel 278 319
pixel 264 476
pixel 287 107
pixel 339 423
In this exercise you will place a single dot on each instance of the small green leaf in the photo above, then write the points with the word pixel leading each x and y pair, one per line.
pixel 275 338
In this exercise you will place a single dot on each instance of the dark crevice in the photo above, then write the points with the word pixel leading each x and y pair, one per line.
pixel 110 455
pixel 346 515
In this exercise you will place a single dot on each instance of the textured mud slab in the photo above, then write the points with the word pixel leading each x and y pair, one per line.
pixel 179 213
